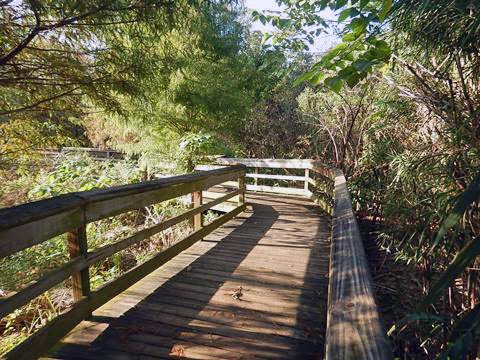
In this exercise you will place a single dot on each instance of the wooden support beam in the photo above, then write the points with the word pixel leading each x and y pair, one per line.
pixel 307 177
pixel 197 218
pixel 241 188
pixel 77 246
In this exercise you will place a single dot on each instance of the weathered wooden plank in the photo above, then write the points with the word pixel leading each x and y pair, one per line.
pixel 212 195
pixel 54 277
pixel 23 214
pixel 31 233
pixel 105 205
pixel 354 329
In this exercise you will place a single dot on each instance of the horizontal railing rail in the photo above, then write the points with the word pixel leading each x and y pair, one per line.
pixel 31 224
pixel 99 154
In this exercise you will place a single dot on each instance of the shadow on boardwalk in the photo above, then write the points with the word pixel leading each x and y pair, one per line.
pixel 275 262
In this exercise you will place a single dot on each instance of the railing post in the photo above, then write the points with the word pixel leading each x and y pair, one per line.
pixel 77 246
pixel 255 179
pixel 241 187
pixel 197 218
pixel 307 176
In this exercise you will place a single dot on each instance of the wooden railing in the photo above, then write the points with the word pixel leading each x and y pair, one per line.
pixel 287 164
pixel 354 329
pixel 316 185
pixel 24 226
pixel 99 154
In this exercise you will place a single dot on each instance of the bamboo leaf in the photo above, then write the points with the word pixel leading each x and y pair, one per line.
pixel 385 9
pixel 462 335
pixel 458 265
pixel 470 195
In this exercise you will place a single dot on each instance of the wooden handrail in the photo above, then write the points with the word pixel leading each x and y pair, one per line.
pixel 268 163
pixel 30 224
pixel 354 328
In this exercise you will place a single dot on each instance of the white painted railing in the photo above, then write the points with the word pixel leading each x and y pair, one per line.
pixel 257 165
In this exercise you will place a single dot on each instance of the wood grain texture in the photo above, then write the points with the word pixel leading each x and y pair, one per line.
pixel 77 246
pixel 354 329
pixel 16 300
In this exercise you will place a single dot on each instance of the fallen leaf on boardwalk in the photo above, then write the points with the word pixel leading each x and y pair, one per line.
pixel 177 350
pixel 237 294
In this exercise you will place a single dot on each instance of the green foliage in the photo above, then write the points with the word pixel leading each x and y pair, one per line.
pixel 199 148
pixel 173 65
pixel 361 49
pixel 80 173
pixel 416 155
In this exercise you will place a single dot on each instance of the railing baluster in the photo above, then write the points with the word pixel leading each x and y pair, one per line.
pixel 197 219
pixel 307 175
pixel 77 246
pixel 241 186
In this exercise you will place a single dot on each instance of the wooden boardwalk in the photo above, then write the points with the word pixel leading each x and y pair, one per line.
pixel 254 288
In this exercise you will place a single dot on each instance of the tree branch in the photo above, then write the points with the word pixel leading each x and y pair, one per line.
pixel 38 28
pixel 68 92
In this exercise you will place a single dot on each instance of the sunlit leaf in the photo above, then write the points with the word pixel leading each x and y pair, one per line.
pixel 385 9
pixel 362 65
pixel 344 15
pixel 334 83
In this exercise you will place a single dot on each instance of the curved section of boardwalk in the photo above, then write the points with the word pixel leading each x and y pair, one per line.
pixel 255 288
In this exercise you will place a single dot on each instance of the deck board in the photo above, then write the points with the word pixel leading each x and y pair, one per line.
pixel 277 251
